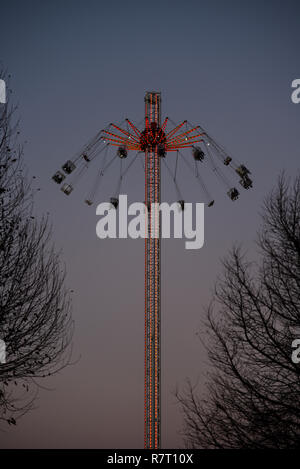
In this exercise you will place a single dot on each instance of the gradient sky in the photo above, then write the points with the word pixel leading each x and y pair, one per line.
pixel 79 65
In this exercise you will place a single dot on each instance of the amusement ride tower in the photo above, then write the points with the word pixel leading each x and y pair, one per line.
pixel 154 140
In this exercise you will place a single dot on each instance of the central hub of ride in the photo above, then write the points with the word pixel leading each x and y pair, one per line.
pixel 153 136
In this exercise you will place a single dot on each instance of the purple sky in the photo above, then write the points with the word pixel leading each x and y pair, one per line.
pixel 77 66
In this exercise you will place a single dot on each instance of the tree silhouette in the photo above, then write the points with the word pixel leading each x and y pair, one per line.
pixel 252 395
pixel 35 315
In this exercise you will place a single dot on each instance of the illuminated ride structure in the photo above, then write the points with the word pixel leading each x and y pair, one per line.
pixel 152 141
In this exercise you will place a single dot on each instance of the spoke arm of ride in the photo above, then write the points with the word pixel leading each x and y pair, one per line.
pixel 183 145
pixel 129 147
pixel 172 132
pixel 162 129
pixel 183 136
pixel 119 138
pixel 164 124
pixel 119 141
pixel 188 140
pixel 128 134
pixel 134 128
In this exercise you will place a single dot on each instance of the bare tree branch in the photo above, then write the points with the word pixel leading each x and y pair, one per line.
pixel 253 391
pixel 35 308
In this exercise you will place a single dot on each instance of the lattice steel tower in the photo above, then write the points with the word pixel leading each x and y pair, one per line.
pixel 152 418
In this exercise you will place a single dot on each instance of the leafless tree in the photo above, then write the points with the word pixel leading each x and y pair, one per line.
pixel 35 314
pixel 252 394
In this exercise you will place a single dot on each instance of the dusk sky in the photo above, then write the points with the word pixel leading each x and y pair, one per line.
pixel 75 67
